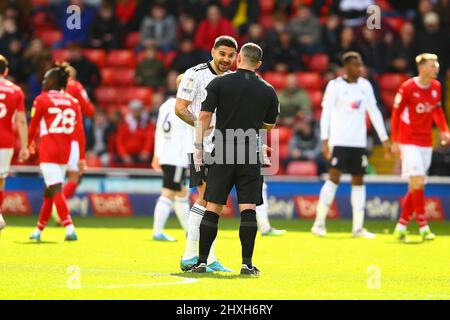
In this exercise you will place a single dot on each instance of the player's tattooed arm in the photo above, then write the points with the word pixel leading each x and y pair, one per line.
pixel 182 111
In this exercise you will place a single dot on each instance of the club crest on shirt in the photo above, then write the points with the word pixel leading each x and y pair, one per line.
pixel 356 104
pixel 434 93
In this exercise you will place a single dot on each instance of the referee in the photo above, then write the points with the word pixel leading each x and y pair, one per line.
pixel 244 104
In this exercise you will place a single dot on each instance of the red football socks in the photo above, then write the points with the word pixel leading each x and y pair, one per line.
pixel 46 211
pixel 63 208
pixel 69 189
pixel 418 200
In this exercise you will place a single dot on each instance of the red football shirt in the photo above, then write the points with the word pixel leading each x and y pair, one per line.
pixel 76 90
pixel 11 100
pixel 58 116
pixel 415 107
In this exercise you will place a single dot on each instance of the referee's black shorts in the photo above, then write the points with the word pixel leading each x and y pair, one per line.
pixel 349 160
pixel 173 177
pixel 246 177
pixel 197 178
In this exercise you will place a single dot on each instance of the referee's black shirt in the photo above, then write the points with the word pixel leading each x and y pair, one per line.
pixel 241 100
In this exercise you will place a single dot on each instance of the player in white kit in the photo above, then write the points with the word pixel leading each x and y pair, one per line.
pixel 344 135
pixel 170 158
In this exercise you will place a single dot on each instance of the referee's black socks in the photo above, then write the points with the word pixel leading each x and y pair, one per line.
pixel 247 233
pixel 208 232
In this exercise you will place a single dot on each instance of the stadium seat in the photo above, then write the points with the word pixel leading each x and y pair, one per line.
pixel 316 98
pixel 50 36
pixel 37 3
pixel 302 168
pixel 309 80
pixel 388 97
pixel 107 95
pixel 132 40
pixel 121 58
pixel 284 134
pixel 168 58
pixel 266 21
pixel 97 56
pixel 276 79
pixel 60 55
pixel 391 81
pixel 117 77
pixel 396 23
pixel 318 62
pixel 141 93
pixel 267 6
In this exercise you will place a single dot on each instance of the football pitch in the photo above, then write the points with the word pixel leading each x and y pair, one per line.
pixel 115 258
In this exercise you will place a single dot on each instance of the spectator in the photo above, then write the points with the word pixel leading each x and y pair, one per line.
pixel 15 61
pixel 256 35
pixel 346 43
pixel 285 54
pixel 401 54
pixel 160 28
pixel 105 31
pixel 150 71
pixel 294 102
pixel 71 34
pixel 442 8
pixel 186 27
pixel 87 71
pixel 424 7
pixel 212 27
pixel 305 28
pixel 187 56
pixel 157 101
pixel 305 144
pixel 330 33
pixel 432 39
pixel 171 88
pixel 33 56
pixel 373 50
pixel 135 136
pixel 125 12
pixel 98 136
pixel 8 33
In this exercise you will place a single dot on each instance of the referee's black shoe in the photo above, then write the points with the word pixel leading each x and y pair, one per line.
pixel 249 271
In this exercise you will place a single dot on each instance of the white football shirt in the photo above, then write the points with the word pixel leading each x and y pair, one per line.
pixel 192 88
pixel 170 135
pixel 343 119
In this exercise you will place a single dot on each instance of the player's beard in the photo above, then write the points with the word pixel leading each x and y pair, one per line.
pixel 222 67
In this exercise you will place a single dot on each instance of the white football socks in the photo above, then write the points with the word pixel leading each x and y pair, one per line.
pixel 162 212
pixel 326 198
pixel 70 229
pixel 193 236
pixel 358 201
pixel 262 213
pixel 182 207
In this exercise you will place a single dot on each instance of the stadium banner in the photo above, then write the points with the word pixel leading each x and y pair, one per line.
pixel 288 197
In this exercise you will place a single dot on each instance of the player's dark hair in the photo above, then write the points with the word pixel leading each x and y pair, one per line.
pixel 349 56
pixel 226 41
pixel 3 64
pixel 252 53
pixel 61 74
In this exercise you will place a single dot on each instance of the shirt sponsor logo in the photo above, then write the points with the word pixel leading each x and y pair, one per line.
pixel 111 204
pixel 356 104
pixel 307 206
pixel 434 93
pixel 16 203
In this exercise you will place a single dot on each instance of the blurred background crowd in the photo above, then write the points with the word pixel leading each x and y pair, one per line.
pixel 128 53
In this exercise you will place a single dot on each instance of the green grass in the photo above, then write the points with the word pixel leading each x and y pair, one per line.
pixel 117 260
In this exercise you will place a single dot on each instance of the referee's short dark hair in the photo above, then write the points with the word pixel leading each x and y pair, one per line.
pixel 349 56
pixel 252 53
pixel 3 64
pixel 226 41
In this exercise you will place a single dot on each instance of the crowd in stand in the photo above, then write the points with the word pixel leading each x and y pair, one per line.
pixel 167 37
